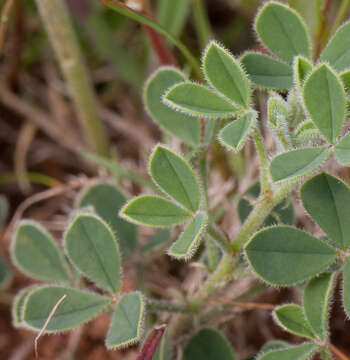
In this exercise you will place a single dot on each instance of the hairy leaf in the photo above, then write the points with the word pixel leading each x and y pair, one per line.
pixel 342 150
pixel 346 286
pixel 225 74
pixel 266 72
pixel 18 305
pixel 284 255
pixel 324 98
pixel 154 211
pixel 185 127
pixel 93 249
pixel 175 177
pixel 199 101
pixel 299 352
pixel 302 67
pixel 32 241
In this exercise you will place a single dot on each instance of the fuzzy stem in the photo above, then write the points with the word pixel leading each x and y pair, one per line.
pixel 219 239
pixel 263 160
pixel 58 24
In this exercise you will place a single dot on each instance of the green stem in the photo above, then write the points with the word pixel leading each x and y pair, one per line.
pixel 58 24
pixel 201 22
pixel 263 160
pixel 124 10
pixel 164 306
pixel 341 15
pixel 220 240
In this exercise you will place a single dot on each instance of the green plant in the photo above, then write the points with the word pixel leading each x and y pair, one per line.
pixel 306 111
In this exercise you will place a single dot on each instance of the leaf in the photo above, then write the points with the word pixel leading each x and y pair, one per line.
pixel 186 245
pixel 93 249
pixel 273 345
pixel 18 305
pixel 346 286
pixel 77 308
pixel 234 134
pixel 302 67
pixel 4 209
pixel 291 318
pixel 208 344
pixel 107 200
pixel 297 163
pixel 5 274
pixel 299 352
pixel 327 200
pixel 337 51
pixel 174 175
pixel 163 351
pixel 342 150
pixel 266 72
pixel 225 74
pixel 154 211
pixel 155 346
pixel 185 127
pixel 282 213
pixel 316 301
pixel 199 101
pixel 282 31
pixel 284 255
pixel 32 241
pixel 126 325
pixel 324 98
pixel 345 78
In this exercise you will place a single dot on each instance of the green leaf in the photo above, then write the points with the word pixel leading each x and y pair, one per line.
pixel 299 352
pixel 234 134
pixel 127 321
pixel 175 177
pixel 185 127
pixel 345 78
pixel 337 51
pixel 225 74
pixel 282 31
pixel 77 308
pixel 324 98
pixel 284 255
pixel 199 101
pixel 163 351
pixel 5 274
pixel 342 150
pixel 291 318
pixel 266 72
pixel 282 213
pixel 273 345
pixel 93 249
pixel 316 301
pixel 32 241
pixel 297 163
pixel 186 245
pixel 18 305
pixel 302 67
pixel 327 200
pixel 154 211
pixel 4 209
pixel 107 200
pixel 208 344
pixel 346 286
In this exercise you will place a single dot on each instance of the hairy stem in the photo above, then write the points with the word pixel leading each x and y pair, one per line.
pixel 63 39
pixel 262 159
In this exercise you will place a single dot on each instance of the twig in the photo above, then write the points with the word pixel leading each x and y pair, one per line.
pixel 4 21
pixel 52 313
pixel 338 353
pixel 248 305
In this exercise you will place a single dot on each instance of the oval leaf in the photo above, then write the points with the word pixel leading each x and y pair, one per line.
pixel 235 133
pixel 208 344
pixel 284 255
pixel 337 51
pixel 185 127
pixel 346 286
pixel 186 245
pixel 18 305
pixel 297 163
pixel 316 300
pixel 77 308
pixel 327 200
pixel 266 72
pixel 174 176
pixel 225 74
pixel 92 248
pixel 282 31
pixel 32 241
pixel 107 200
pixel 291 318
pixel 154 211
pixel 342 150
pixel 126 325
pixel 299 352
pixel 324 98
pixel 302 67
pixel 197 100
